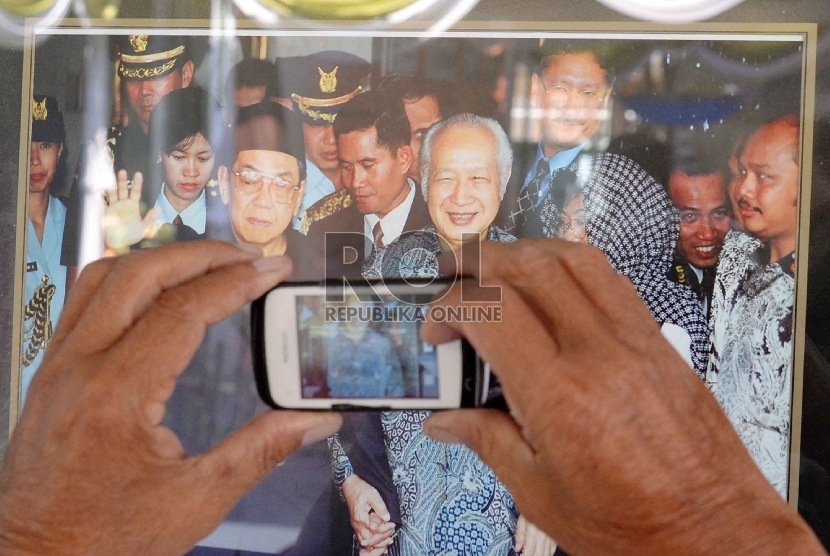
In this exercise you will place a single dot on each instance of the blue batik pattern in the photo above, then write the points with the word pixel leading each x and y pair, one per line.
pixel 451 502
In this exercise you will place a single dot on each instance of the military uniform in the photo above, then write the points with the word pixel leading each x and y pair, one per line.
pixel 142 57
pixel 320 84
pixel 45 275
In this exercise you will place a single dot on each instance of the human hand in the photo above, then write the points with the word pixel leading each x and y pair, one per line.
pixel 614 445
pixel 364 502
pixel 89 468
pixel 122 222
pixel 532 541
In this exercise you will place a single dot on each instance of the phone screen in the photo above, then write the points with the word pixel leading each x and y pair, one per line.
pixel 365 348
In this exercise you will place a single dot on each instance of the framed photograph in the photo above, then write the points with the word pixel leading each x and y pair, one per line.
pixel 683 152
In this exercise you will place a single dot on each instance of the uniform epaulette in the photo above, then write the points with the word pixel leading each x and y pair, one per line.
pixel 328 205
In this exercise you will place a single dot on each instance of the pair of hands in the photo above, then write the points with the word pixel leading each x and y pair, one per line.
pixel 614 447
pixel 375 533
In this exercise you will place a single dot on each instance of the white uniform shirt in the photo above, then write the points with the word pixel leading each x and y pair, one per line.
pixel 43 259
pixel 317 186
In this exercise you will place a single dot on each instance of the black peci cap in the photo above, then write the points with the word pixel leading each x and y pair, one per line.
pixel 323 81
pixel 47 120
pixel 151 56
pixel 254 131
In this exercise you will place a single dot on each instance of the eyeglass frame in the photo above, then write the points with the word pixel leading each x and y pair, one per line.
pixel 271 180
pixel 601 95
pixel 569 226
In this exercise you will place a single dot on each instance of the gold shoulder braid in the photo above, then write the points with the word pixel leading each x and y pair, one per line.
pixel 328 205
pixel 39 332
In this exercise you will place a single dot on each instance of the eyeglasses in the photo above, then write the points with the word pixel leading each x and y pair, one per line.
pixel 560 94
pixel 576 227
pixel 250 182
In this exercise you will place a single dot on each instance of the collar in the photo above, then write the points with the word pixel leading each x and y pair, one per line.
pixel 393 223
pixel 560 159
pixel 194 215
pixel 785 263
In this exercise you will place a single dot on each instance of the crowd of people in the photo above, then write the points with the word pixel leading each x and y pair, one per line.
pixel 355 180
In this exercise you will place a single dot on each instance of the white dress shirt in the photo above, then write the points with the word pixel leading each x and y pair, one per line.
pixel 392 224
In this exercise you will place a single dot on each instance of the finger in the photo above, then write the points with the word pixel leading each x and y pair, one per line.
pixel 136 280
pixel 149 220
pixel 376 503
pixel 580 292
pixel 495 437
pixel 122 192
pixel 79 297
pixel 521 532
pixel 531 541
pixel 138 184
pixel 225 473
pixel 515 368
pixel 175 324
pixel 376 540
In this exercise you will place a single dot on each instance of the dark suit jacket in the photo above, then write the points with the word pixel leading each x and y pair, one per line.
pixel 342 254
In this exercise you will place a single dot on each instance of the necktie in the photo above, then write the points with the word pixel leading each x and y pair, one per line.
pixel 529 195
pixel 377 233
pixel 178 220
pixel 534 187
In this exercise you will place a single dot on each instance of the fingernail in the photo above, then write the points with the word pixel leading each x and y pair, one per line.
pixel 441 434
pixel 321 431
pixel 271 264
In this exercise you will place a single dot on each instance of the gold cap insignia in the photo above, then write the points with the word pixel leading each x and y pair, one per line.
pixel 328 81
pixel 39 111
pixel 139 42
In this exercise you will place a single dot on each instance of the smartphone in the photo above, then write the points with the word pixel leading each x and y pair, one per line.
pixel 328 346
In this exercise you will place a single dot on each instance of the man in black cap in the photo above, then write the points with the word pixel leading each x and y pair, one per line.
pixel 264 187
pixel 149 66
pixel 45 275
pixel 321 83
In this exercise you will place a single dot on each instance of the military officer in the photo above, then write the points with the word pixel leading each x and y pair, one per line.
pixel 45 275
pixel 321 83
pixel 149 66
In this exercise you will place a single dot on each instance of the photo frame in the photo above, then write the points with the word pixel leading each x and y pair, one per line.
pixel 674 85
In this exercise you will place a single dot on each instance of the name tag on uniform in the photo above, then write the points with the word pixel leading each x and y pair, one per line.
pixel 31 267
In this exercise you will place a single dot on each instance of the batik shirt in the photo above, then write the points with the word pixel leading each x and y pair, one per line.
pixel 45 289
pixel 750 366
pixel 415 255
pixel 631 219
pixel 451 503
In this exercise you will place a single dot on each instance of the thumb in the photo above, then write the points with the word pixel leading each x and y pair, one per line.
pixel 376 502
pixel 492 434
pixel 521 532
pixel 250 453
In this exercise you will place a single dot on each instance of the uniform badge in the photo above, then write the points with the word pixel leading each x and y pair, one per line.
pixel 31 267
pixel 139 42
pixel 328 81
pixel 39 111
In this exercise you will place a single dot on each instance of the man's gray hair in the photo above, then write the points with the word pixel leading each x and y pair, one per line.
pixel 504 152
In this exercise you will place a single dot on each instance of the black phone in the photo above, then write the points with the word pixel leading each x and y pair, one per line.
pixel 330 346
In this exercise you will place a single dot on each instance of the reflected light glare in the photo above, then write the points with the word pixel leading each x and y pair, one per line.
pixel 671 11
pixel 257 11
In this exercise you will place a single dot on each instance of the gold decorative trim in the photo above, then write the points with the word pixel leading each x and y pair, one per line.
pixel 146 73
pixel 146 59
pixel 324 103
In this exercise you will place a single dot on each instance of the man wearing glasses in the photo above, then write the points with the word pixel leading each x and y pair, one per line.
pixel 627 214
pixel 264 188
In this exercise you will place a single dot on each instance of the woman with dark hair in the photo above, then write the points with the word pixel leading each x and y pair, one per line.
pixel 186 133
pixel 45 276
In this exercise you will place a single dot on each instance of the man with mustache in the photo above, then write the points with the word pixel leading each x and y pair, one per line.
pixel 628 215
pixel 699 194
pixel 750 365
